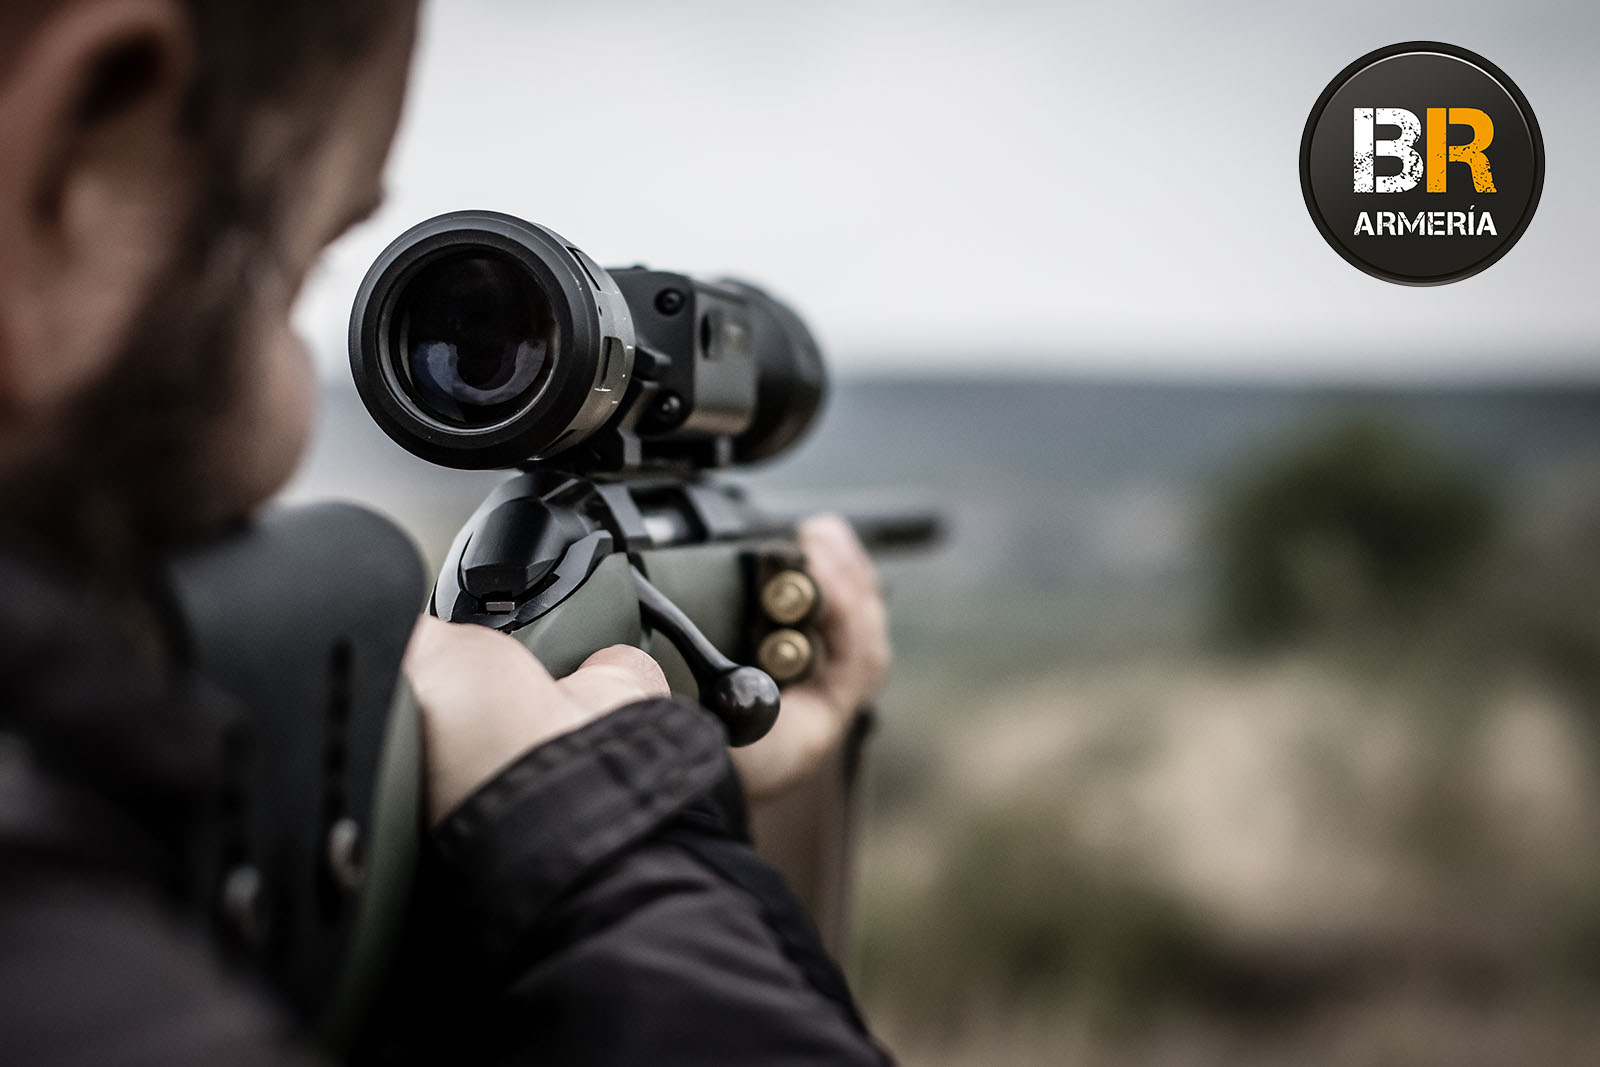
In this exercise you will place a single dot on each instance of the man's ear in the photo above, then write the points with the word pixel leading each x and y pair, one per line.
pixel 94 183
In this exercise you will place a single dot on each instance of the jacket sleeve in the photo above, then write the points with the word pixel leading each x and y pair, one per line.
pixel 595 904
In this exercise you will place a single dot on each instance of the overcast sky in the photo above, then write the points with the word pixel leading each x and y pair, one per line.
pixel 1005 183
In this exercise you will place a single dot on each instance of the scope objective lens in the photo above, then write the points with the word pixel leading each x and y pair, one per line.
pixel 475 336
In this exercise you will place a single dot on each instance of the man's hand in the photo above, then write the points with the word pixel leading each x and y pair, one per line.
pixel 849 671
pixel 486 700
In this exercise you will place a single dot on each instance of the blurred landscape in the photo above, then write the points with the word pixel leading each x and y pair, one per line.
pixel 1230 724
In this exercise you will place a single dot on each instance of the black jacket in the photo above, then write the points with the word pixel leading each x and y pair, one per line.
pixel 594 904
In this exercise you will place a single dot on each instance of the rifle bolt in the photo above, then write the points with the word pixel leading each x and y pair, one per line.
pixel 785 654
pixel 788 597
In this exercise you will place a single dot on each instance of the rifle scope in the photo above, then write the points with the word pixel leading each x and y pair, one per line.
pixel 479 340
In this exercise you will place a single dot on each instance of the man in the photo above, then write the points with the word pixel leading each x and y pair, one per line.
pixel 169 172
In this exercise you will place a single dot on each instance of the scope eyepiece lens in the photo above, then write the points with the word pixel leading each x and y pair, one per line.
pixel 475 338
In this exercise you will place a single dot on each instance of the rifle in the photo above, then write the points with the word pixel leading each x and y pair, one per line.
pixel 480 341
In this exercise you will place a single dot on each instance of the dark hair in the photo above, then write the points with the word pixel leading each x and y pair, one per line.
pixel 248 52
pixel 128 470
pixel 252 52
pixel 258 57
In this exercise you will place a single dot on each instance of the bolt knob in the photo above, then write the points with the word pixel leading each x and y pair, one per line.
pixel 746 700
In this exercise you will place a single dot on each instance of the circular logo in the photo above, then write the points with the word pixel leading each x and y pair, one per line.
pixel 1422 163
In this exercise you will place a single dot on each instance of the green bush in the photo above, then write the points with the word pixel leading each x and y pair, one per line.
pixel 1353 526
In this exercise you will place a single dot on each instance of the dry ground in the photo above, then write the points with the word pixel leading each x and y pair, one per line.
pixel 1193 862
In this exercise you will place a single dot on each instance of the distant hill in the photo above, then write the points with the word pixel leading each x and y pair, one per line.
pixel 1060 484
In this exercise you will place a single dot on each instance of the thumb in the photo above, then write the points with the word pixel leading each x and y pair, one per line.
pixel 613 677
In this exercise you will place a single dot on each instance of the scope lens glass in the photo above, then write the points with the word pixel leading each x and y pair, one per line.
pixel 475 338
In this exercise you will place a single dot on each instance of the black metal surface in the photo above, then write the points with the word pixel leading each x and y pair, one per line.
pixel 744 698
pixel 637 370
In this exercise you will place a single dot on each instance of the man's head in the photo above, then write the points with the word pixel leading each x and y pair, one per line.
pixel 169 172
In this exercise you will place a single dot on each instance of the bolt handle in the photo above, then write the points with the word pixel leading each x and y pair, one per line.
pixel 744 698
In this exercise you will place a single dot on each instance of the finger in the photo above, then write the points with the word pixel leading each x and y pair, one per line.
pixel 850 602
pixel 855 553
pixel 458 654
pixel 613 677
pixel 855 650
pixel 637 663
pixel 826 534
pixel 859 634
pixel 830 566
pixel 829 537
pixel 484 699
pixel 426 637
